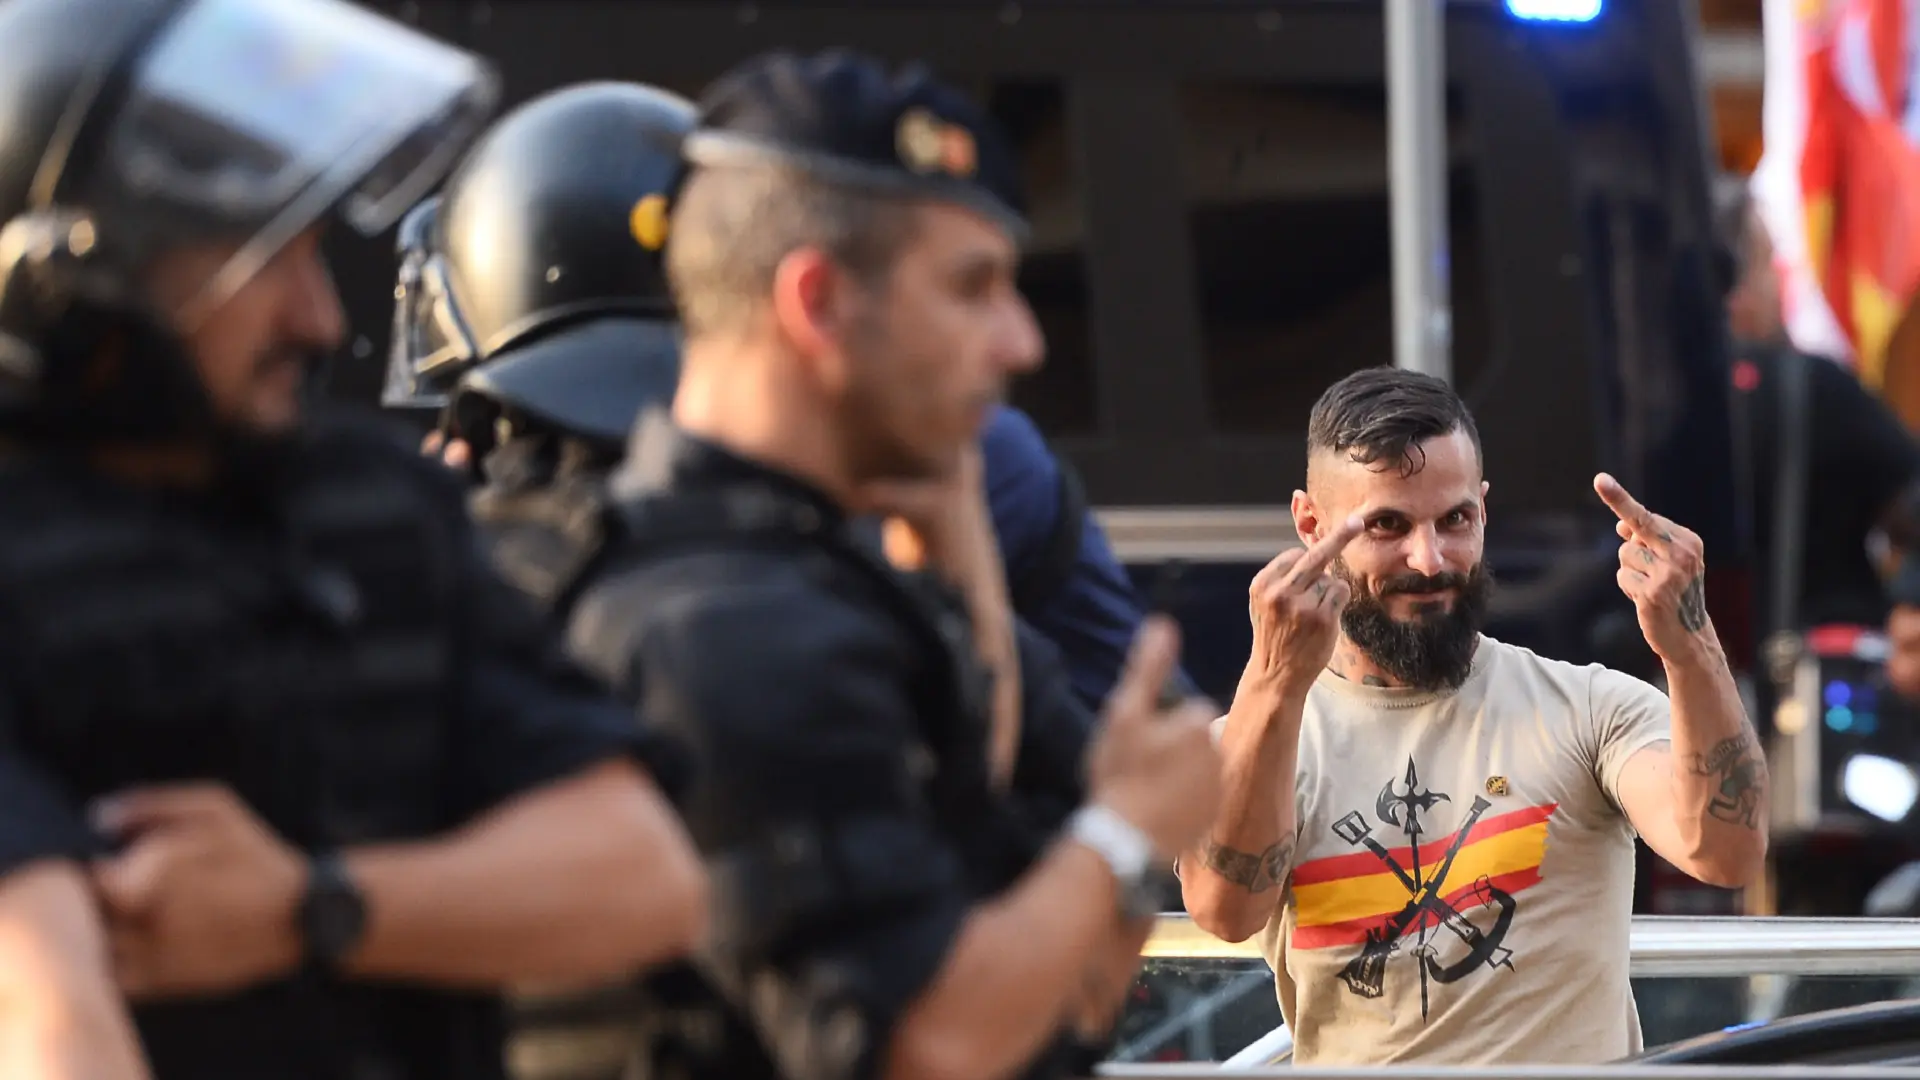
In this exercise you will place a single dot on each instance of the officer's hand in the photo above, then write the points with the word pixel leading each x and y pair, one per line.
pixel 1295 603
pixel 1155 767
pixel 1903 657
pixel 942 523
pixel 454 453
pixel 203 896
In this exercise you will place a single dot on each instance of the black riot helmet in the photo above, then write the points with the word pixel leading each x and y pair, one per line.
pixel 535 279
pixel 137 133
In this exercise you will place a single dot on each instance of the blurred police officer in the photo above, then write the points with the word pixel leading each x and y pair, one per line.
pixel 532 301
pixel 842 255
pixel 535 278
pixel 278 756
pixel 532 313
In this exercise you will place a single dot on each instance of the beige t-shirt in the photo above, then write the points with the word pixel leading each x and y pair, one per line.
pixel 1400 939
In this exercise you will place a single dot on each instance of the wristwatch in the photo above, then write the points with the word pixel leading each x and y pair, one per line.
pixel 1127 852
pixel 333 913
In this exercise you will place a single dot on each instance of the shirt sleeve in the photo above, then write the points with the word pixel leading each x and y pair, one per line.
pixel 1628 715
pixel 527 715
pixel 836 896
pixel 1023 487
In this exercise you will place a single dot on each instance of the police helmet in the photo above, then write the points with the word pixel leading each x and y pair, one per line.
pixel 134 128
pixel 535 278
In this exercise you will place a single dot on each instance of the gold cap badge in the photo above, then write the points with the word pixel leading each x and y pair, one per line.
pixel 1496 786
pixel 649 222
pixel 928 144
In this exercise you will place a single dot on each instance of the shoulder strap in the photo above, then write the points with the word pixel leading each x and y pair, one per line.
pixel 1040 581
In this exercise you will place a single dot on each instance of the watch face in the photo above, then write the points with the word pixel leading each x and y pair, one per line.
pixel 334 916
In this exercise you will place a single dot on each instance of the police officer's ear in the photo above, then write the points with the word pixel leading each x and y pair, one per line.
pixel 811 303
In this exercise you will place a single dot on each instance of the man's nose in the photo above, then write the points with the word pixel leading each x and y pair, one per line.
pixel 1021 346
pixel 1426 552
pixel 316 316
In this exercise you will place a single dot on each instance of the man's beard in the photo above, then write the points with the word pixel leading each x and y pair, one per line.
pixel 1433 651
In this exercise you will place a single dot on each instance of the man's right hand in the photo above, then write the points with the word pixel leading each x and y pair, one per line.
pixel 1155 767
pixel 1295 603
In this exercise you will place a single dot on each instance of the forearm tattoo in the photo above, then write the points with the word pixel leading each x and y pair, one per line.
pixel 1735 763
pixel 1693 605
pixel 1254 872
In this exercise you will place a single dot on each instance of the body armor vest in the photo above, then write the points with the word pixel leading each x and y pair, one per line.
pixel 304 658
pixel 553 541
pixel 300 651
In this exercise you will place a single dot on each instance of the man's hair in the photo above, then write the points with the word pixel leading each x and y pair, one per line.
pixel 733 225
pixel 1383 414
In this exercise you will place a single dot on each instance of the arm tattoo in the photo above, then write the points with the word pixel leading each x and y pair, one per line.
pixel 1735 763
pixel 1255 873
pixel 1693 605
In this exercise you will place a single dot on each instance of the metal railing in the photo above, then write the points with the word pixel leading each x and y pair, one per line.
pixel 1525 1073
pixel 1674 946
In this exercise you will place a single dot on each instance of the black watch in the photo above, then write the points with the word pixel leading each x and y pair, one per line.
pixel 333 914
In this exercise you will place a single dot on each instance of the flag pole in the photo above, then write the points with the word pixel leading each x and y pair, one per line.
pixel 1417 185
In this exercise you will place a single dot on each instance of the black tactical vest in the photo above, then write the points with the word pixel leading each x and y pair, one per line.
pixel 298 650
pixel 553 541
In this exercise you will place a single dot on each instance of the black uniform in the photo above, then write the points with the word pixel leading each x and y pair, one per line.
pixel 314 627
pixel 533 313
pixel 555 183
pixel 837 705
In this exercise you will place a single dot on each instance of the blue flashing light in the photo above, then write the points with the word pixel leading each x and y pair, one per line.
pixel 1560 11
pixel 1839 719
pixel 1838 695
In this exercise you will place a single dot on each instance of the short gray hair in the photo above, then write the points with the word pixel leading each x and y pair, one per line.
pixel 732 225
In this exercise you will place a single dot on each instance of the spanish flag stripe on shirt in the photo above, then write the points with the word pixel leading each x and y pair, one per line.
pixel 1338 899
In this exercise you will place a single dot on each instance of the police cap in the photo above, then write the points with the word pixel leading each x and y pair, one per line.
pixel 841 116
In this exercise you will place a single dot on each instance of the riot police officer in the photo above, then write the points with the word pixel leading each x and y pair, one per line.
pixel 277 751
pixel 533 285
pixel 842 255
pixel 531 297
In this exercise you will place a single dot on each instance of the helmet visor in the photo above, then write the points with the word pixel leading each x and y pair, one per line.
pixel 247 121
pixel 431 348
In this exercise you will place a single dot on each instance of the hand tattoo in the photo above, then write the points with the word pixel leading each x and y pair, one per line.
pixel 1693 605
pixel 1736 762
pixel 1256 873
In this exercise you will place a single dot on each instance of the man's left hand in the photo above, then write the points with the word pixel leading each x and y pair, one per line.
pixel 1662 570
pixel 203 897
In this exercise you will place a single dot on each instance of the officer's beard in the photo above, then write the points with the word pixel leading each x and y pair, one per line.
pixel 1433 650
pixel 255 463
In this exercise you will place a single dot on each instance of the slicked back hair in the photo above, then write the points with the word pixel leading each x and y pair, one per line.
pixel 1381 415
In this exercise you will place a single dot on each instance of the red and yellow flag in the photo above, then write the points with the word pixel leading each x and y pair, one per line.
pixel 1839 185
pixel 1340 899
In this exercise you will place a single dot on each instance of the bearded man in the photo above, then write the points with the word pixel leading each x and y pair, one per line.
pixel 1432 831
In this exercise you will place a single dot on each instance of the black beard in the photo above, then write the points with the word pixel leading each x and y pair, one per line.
pixel 1435 650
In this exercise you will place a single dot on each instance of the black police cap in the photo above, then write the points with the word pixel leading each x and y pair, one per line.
pixel 841 116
